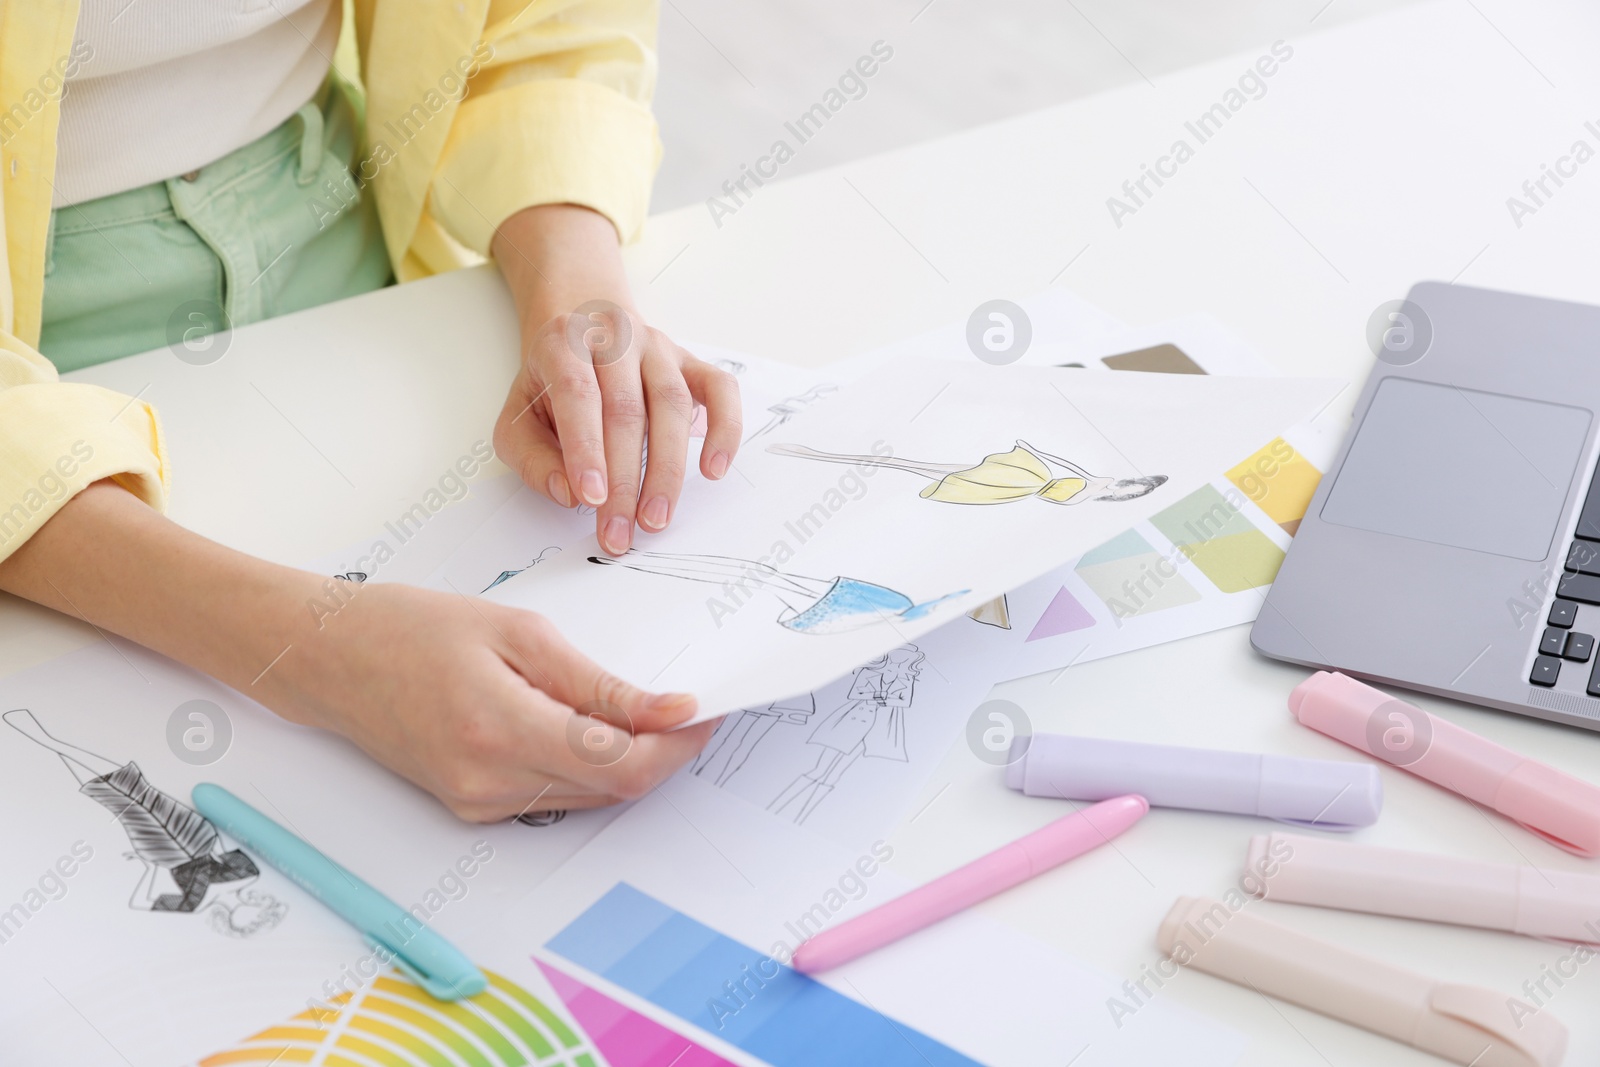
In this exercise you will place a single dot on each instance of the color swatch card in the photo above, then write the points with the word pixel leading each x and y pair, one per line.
pixel 910 497
pixel 669 935
pixel 1201 563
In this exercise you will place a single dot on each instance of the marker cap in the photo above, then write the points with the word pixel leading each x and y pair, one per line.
pixel 1563 810
pixel 1323 794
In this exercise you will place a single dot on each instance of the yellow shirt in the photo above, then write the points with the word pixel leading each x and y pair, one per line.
pixel 557 111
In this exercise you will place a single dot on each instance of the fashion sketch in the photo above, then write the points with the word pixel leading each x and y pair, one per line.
pixel 738 735
pixel 810 605
pixel 870 724
pixel 999 478
pixel 186 866
pixel 789 407
pixel 504 575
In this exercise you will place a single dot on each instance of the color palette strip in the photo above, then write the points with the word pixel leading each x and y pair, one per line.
pixel 394 1023
pixel 743 997
pixel 623 1036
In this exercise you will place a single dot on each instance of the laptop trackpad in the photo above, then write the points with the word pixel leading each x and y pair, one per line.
pixel 1451 466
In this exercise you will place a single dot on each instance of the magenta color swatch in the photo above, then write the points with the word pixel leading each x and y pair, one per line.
pixel 623 1036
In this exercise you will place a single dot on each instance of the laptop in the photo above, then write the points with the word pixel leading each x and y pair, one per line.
pixel 1454 545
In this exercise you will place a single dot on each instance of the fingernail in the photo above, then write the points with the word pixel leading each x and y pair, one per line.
pixel 559 491
pixel 670 701
pixel 616 538
pixel 592 487
pixel 654 514
pixel 718 464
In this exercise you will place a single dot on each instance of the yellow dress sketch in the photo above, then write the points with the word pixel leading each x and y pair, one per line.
pixel 1022 473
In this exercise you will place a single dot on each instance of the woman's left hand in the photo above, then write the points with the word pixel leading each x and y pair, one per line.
pixel 596 386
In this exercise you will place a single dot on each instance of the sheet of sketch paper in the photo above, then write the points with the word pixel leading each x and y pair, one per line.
pixel 847 759
pixel 908 498
pixel 686 907
pixel 125 906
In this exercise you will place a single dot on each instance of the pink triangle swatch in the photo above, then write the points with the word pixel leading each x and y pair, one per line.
pixel 623 1036
pixel 1063 616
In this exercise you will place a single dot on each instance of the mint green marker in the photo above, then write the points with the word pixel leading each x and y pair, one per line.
pixel 431 961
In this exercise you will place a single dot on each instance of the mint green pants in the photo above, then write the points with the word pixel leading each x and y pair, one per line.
pixel 272 227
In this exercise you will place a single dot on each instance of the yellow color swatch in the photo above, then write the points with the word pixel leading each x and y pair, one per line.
pixel 1280 481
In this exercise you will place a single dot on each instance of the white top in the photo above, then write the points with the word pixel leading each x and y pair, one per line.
pixel 164 87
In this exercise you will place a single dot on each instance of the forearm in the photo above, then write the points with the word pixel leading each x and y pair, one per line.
pixel 111 560
pixel 557 256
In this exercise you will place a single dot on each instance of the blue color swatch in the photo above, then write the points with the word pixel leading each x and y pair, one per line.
pixel 743 997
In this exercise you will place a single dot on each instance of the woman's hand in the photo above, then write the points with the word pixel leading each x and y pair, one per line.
pixel 483 705
pixel 596 385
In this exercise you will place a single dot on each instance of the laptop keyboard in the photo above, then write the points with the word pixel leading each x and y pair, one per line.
pixel 1580 584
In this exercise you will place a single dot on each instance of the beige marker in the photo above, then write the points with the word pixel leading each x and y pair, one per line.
pixel 1462 1023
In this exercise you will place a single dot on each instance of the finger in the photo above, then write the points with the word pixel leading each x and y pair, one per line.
pixel 525 442
pixel 573 398
pixel 588 727
pixel 719 392
pixel 671 412
pixel 552 664
pixel 623 413
pixel 588 747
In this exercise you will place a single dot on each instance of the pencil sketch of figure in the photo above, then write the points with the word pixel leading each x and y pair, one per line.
pixel 1000 477
pixel 504 575
pixel 810 605
pixel 186 868
pixel 870 723
pixel 789 407
pixel 738 735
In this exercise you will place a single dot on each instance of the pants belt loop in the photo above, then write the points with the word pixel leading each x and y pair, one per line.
pixel 310 116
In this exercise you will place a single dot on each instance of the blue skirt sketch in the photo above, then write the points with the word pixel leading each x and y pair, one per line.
pixel 870 724
pixel 186 867
pixel 810 605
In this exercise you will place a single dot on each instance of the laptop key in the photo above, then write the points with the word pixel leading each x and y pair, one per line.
pixel 1584 557
pixel 1584 588
pixel 1563 613
pixel 1579 647
pixel 1546 669
pixel 1553 642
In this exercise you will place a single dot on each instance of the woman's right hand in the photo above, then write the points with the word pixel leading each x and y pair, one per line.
pixel 485 706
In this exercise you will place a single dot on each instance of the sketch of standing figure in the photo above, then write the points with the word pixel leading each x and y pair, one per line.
pixel 811 605
pixel 738 734
pixel 870 723
pixel 186 868
pixel 1000 478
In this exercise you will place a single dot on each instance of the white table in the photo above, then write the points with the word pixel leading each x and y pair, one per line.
pixel 1382 153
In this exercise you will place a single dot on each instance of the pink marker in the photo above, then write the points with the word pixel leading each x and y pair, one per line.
pixel 963 887
pixel 1563 810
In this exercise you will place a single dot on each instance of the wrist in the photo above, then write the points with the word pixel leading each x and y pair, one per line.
pixel 556 257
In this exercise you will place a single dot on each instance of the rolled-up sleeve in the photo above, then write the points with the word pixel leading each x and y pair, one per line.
pixel 558 113
pixel 56 438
